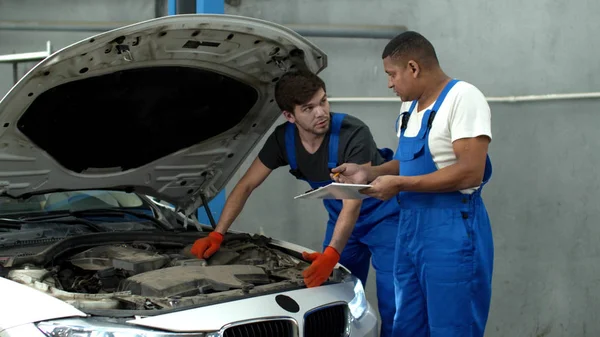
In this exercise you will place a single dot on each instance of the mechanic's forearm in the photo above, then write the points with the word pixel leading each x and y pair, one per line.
pixel 389 168
pixel 345 224
pixel 233 207
pixel 448 179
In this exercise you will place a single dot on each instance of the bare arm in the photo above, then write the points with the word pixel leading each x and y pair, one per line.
pixel 363 174
pixel 389 168
pixel 345 224
pixel 256 174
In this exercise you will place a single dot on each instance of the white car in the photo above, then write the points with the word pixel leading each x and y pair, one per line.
pixel 94 135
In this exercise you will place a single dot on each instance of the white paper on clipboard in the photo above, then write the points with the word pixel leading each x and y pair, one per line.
pixel 336 191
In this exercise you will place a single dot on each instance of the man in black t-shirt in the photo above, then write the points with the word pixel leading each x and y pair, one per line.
pixel 312 142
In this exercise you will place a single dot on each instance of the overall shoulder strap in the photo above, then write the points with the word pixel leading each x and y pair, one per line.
pixel 412 107
pixel 487 173
pixel 334 138
pixel 430 114
pixel 401 124
pixel 290 145
pixel 442 96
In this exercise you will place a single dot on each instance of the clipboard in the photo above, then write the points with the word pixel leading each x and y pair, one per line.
pixel 335 191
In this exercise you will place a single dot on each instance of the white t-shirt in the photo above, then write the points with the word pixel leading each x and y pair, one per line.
pixel 464 113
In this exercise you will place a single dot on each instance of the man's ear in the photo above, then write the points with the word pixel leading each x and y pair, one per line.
pixel 289 116
pixel 414 68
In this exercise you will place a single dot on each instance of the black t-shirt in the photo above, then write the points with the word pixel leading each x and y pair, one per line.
pixel 356 145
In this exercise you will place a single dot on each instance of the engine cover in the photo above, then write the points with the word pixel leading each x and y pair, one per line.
pixel 193 280
pixel 120 257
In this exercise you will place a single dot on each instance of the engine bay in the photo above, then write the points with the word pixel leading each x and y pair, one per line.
pixel 140 275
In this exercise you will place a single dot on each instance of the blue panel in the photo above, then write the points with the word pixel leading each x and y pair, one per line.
pixel 210 6
pixel 172 7
pixel 216 205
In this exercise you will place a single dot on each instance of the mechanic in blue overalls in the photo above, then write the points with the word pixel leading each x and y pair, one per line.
pixel 312 142
pixel 444 256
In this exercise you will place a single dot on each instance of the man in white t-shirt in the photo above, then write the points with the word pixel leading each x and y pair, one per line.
pixel 444 248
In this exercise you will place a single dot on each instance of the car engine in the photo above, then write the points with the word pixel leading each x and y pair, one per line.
pixel 144 276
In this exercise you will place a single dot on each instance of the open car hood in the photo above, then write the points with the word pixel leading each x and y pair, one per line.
pixel 168 107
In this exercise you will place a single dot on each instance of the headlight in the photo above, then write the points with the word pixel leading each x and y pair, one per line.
pixel 96 328
pixel 358 305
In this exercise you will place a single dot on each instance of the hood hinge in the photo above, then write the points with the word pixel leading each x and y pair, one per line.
pixel 190 209
pixel 281 64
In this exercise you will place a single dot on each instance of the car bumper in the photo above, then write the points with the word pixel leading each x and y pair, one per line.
pixel 367 326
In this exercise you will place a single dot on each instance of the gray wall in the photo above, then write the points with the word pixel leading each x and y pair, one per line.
pixel 543 198
pixel 59 10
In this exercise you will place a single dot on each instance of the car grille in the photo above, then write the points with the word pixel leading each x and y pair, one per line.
pixel 275 328
pixel 326 322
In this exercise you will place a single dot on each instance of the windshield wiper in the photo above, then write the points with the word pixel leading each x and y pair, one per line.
pixel 10 223
pixel 100 211
pixel 118 211
pixel 62 219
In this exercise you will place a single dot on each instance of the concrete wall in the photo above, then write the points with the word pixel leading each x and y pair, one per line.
pixel 544 195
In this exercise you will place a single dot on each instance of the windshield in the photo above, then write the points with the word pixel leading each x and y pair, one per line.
pixel 47 218
pixel 70 201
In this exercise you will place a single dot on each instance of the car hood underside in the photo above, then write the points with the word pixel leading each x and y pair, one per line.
pixel 169 107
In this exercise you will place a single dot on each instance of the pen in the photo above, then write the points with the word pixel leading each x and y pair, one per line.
pixel 336 174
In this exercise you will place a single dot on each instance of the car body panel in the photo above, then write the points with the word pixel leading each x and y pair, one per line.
pixel 29 330
pixel 27 305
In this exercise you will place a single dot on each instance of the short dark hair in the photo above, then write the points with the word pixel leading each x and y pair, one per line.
pixel 411 45
pixel 296 88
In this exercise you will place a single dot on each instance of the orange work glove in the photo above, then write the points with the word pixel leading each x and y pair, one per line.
pixel 205 247
pixel 321 267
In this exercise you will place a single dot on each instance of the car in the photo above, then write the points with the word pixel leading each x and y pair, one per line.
pixel 110 146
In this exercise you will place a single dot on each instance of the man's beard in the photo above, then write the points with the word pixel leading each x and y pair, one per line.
pixel 316 131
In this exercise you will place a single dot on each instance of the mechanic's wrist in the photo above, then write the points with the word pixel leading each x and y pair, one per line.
pixel 330 250
pixel 372 173
pixel 221 229
pixel 216 235
pixel 404 183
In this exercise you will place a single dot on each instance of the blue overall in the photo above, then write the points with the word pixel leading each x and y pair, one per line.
pixel 444 256
pixel 374 233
